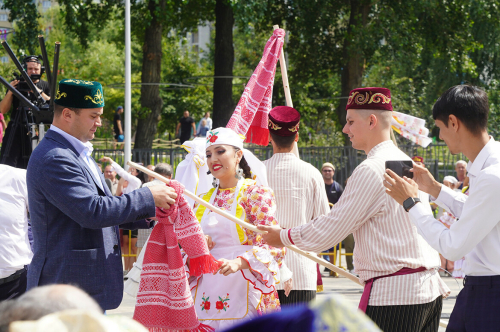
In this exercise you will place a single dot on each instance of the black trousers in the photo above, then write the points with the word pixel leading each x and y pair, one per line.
pixel 296 297
pixel 478 306
pixel 20 150
pixel 185 137
pixel 407 318
pixel 14 288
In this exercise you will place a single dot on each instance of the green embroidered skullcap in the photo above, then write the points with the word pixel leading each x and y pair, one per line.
pixel 79 94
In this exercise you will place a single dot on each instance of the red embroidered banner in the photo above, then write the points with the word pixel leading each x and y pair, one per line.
pixel 251 114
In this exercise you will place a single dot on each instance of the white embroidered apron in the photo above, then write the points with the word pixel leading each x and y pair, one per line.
pixel 219 297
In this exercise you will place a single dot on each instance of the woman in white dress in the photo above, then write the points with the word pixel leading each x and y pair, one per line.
pixel 244 285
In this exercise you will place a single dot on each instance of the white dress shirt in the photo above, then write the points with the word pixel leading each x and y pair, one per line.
pixel 476 233
pixel 300 197
pixel 84 150
pixel 386 240
pixel 15 251
pixel 155 182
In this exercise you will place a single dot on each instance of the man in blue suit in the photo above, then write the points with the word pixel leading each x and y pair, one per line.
pixel 73 214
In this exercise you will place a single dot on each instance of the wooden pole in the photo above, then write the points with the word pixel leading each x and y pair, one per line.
pixel 286 88
pixel 240 222
pixel 284 75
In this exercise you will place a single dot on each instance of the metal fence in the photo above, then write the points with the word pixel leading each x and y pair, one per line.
pixel 437 157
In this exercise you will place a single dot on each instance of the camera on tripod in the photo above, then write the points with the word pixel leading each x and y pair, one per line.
pixel 22 86
pixel 33 112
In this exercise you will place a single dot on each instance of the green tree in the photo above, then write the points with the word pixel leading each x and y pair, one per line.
pixel 356 39
pixel 24 14
pixel 152 20
pixel 228 14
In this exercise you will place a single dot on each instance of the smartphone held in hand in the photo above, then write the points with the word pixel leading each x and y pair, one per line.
pixel 400 167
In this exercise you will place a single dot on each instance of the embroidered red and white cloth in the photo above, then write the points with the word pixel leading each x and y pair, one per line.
pixel 250 118
pixel 164 301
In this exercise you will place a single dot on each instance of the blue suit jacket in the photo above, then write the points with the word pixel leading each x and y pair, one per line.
pixel 76 240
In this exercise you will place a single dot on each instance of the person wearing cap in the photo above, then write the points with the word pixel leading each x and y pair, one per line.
pixel 333 188
pixel 20 149
pixel 418 160
pixel 403 290
pixel 333 191
pixel 117 127
pixel 300 197
pixel 74 216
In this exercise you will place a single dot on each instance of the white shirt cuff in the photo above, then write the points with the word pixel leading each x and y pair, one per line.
pixel 284 237
pixel 285 273
pixel 417 211
pixel 445 196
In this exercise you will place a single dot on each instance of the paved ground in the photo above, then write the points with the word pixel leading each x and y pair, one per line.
pixel 351 291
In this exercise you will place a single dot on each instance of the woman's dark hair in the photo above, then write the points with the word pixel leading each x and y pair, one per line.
pixel 246 169
pixel 468 103
pixel 244 166
pixel 142 176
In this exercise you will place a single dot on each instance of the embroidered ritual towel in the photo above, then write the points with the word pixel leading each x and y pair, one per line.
pixel 250 117
pixel 164 301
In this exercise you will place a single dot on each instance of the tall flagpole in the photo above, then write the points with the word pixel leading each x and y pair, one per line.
pixel 128 88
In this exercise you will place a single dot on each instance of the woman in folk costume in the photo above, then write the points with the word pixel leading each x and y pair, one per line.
pixel 244 285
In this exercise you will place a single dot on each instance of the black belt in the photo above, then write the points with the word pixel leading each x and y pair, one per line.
pixel 16 275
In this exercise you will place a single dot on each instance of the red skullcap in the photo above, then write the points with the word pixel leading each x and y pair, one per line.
pixel 370 99
pixel 284 121
pixel 418 159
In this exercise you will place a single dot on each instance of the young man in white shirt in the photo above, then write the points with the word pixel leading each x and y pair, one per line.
pixel 403 290
pixel 15 251
pixel 461 114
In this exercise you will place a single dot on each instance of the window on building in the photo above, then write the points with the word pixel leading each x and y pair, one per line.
pixel 4 17
pixel 194 38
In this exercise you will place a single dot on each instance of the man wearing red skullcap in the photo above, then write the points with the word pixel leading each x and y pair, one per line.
pixel 300 197
pixel 403 290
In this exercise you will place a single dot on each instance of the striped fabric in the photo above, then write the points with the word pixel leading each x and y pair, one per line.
pixel 300 197
pixel 408 318
pixel 386 239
